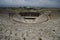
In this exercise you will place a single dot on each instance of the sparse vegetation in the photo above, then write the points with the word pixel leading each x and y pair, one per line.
pixel 27 9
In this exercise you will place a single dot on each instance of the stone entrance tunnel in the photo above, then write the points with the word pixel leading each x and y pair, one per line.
pixel 30 15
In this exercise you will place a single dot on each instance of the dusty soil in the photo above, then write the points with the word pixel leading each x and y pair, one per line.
pixel 13 30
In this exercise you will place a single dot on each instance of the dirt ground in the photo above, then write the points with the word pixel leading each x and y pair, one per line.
pixel 13 30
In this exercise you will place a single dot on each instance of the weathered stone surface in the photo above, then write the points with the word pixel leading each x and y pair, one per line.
pixel 13 30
